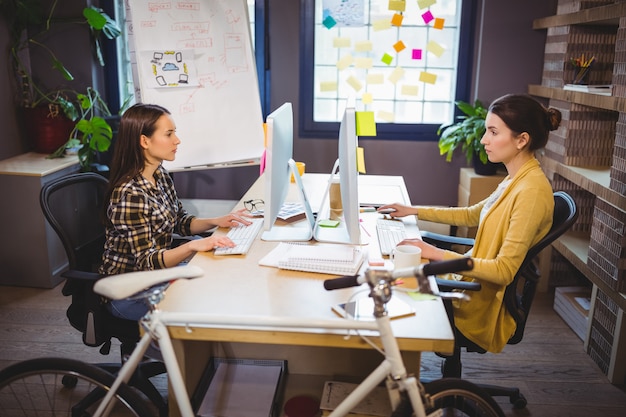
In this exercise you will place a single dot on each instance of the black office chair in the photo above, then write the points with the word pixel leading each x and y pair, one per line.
pixel 73 205
pixel 518 296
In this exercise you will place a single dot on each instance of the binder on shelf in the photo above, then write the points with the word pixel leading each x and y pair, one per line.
pixel 324 258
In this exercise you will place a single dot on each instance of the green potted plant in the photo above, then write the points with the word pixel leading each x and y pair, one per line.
pixel 80 114
pixel 466 133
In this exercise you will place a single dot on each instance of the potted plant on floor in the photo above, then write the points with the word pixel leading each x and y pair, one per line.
pixel 467 133
pixel 72 117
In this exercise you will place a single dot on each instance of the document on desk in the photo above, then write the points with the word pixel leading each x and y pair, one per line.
pixel 324 258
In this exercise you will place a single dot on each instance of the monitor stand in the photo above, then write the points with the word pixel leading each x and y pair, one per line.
pixel 337 234
pixel 300 231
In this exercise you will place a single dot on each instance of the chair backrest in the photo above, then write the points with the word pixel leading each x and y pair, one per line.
pixel 73 206
pixel 520 293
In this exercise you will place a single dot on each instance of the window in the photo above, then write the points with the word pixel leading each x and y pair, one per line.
pixel 406 61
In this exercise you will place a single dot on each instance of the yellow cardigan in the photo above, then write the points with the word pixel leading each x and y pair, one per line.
pixel 517 220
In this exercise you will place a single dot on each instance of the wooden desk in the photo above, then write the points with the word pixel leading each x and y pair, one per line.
pixel 237 285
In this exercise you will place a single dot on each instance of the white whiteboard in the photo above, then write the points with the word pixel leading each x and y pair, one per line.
pixel 195 58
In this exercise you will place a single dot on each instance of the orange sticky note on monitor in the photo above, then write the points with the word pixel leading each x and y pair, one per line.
pixel 365 124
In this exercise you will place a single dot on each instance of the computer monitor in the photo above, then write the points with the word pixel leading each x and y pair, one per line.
pixel 279 165
pixel 349 229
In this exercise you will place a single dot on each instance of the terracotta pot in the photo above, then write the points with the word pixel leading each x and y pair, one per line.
pixel 46 127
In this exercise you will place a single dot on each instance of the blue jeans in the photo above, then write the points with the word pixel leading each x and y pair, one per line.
pixel 128 309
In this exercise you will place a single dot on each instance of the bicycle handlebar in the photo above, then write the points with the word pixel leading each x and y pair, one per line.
pixel 424 270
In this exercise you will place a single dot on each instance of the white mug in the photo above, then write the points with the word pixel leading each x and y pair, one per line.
pixel 406 256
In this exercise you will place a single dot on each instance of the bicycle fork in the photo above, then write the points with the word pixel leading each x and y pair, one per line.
pixel 391 370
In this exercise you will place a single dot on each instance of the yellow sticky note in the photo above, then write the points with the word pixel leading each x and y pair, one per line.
pixel 363 63
pixel 386 116
pixel 328 86
pixel 397 19
pixel 435 48
pixel 425 3
pixel 396 75
pixel 360 160
pixel 428 77
pixel 367 98
pixel 376 78
pixel 345 62
pixel 439 23
pixel 342 42
pixel 365 125
pixel 397 5
pixel 363 46
pixel 354 83
pixel 382 24
pixel 409 90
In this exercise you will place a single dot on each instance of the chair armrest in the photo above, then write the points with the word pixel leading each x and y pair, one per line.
pixel 446 285
pixel 81 275
pixel 445 241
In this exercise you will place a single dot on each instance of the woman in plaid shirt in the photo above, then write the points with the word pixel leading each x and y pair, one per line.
pixel 144 210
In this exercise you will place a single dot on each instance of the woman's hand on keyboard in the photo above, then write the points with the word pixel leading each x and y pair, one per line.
pixel 209 243
pixel 234 219
pixel 399 210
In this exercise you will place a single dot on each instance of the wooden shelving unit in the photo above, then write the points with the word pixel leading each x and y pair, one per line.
pixel 594 180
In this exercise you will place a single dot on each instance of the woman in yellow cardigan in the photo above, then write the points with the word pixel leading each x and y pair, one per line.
pixel 511 220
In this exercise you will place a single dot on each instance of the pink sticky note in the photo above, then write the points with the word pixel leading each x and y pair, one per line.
pixel 416 54
pixel 428 17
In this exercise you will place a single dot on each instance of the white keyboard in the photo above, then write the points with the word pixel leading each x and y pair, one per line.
pixel 389 232
pixel 242 236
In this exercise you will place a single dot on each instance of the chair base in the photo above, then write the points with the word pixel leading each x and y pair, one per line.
pixel 452 368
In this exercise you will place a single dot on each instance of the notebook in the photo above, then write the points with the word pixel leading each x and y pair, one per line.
pixel 324 258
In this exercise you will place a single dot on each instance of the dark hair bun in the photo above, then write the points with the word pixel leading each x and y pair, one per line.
pixel 554 118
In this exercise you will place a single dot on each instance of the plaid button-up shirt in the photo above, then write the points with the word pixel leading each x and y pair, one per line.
pixel 143 218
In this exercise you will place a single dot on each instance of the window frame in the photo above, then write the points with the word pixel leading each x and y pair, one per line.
pixel 308 128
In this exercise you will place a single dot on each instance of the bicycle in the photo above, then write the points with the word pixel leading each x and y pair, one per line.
pixel 65 387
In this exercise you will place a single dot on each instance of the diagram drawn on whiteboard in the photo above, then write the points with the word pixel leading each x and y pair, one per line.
pixel 169 68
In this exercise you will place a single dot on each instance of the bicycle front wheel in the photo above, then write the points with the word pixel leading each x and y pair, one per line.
pixel 460 398
pixel 62 388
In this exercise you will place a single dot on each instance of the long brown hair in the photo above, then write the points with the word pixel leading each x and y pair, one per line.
pixel 128 157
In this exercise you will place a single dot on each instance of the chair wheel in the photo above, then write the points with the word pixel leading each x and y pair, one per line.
pixel 518 401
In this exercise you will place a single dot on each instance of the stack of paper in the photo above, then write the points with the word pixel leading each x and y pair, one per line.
pixel 602 89
pixel 325 258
